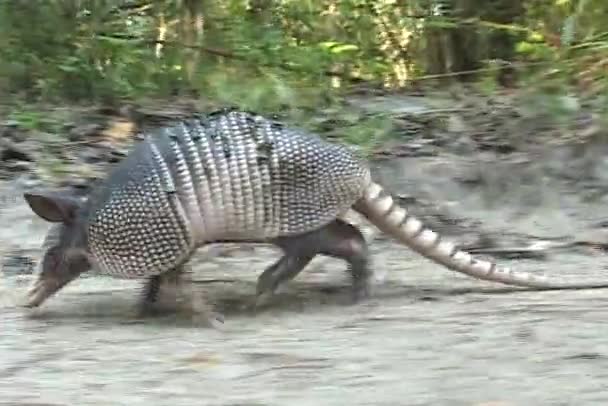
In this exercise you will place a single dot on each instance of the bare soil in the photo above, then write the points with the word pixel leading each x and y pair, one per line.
pixel 427 337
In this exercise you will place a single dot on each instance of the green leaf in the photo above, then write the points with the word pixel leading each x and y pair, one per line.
pixel 115 40
pixel 344 48
pixel 328 44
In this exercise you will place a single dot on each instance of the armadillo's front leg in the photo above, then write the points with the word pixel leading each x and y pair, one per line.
pixel 186 298
pixel 148 305
pixel 338 239
pixel 149 298
pixel 194 302
pixel 154 284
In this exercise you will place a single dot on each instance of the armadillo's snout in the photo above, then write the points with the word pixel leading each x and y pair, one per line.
pixel 57 268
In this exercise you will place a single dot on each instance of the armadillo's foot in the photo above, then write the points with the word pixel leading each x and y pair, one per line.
pixel 345 241
pixel 286 268
pixel 202 313
pixel 193 303
pixel 185 300
pixel 262 300
pixel 362 286
pixel 205 317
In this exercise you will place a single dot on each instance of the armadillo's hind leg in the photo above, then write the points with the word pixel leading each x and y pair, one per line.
pixel 343 240
pixel 337 239
pixel 285 269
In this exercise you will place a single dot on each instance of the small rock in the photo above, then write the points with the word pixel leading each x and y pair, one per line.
pixel 84 131
pixel 456 124
pixel 11 123
pixel 27 181
pixel 93 156
pixel 80 185
pixel 68 126
pixel 586 356
pixel 17 166
pixel 116 156
pixel 10 129
pixel 18 265
pixel 464 145
pixel 10 151
pixel 428 299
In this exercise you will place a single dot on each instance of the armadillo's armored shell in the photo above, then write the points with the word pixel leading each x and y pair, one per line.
pixel 226 176
pixel 136 226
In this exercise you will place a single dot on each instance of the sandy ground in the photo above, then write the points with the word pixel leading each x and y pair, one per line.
pixel 428 336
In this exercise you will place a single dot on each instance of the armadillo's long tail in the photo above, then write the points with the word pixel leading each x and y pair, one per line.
pixel 380 208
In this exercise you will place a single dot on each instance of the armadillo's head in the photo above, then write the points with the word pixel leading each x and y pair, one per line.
pixel 64 255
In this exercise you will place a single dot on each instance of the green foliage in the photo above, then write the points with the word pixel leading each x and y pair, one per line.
pixel 289 56
pixel 35 120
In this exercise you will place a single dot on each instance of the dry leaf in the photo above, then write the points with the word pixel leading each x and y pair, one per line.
pixel 119 129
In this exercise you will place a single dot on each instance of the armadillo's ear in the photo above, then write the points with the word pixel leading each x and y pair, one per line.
pixel 52 206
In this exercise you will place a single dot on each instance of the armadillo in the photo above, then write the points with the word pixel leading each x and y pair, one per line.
pixel 236 176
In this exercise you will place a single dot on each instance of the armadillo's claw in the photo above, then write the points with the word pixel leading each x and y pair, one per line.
pixel 194 303
pixel 214 318
pixel 39 292
pixel 218 317
pixel 205 316
pixel 262 299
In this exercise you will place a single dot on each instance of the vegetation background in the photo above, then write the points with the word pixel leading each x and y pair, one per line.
pixel 298 59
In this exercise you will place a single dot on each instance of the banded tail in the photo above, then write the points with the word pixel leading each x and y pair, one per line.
pixel 380 208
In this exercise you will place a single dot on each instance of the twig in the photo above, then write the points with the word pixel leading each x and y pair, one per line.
pixel 224 54
pixel 480 70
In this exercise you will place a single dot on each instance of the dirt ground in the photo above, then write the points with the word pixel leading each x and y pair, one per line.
pixel 427 337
